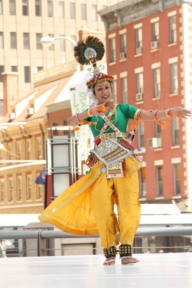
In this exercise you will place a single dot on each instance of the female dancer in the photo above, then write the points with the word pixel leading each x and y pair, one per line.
pixel 87 207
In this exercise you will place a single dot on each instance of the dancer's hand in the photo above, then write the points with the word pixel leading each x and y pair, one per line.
pixel 180 112
pixel 99 110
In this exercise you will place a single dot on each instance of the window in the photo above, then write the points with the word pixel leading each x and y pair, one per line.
pixel 112 50
pixel 1 7
pixel 19 188
pixel 39 191
pixel 10 152
pixel 18 149
pixel 72 45
pixel 55 132
pixel 2 190
pixel 159 170
pixel 10 189
pixel 25 7
pixel 13 40
pixel 172 30
pixel 138 38
pixel 14 69
pixel 39 68
pixel 158 131
pixel 27 76
pixel 174 78
pixel 38 148
pixel 139 82
pixel 142 182
pixel 83 12
pixel 1 40
pixel 141 135
pixel 156 82
pixel 29 187
pixel 50 8
pixel 72 10
pixel 177 179
pixel 38 41
pixel 155 31
pixel 28 149
pixel 62 43
pixel 12 7
pixel 123 43
pixel 175 131
pixel 51 47
pixel 38 7
pixel 124 89
pixel 114 90
pixel 94 12
pixel 1 71
pixel 61 9
pixel 26 41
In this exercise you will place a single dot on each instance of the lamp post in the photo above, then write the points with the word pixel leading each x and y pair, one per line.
pixel 48 41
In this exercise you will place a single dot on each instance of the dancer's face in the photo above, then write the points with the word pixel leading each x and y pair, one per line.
pixel 103 92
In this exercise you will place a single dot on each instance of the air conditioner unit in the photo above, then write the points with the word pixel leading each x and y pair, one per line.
pixel 122 55
pixel 155 143
pixel 138 50
pixel 30 111
pixel 154 44
pixel 139 96
pixel 12 115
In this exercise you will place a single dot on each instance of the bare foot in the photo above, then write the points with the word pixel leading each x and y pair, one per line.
pixel 128 260
pixel 109 262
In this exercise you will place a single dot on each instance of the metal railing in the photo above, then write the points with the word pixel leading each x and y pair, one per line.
pixel 42 235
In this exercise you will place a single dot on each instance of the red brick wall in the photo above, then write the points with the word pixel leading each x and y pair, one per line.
pixel 166 101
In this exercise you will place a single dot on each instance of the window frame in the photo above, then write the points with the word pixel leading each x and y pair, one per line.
pixel 123 40
pixel 174 78
pixel 175 165
pixel 175 123
pixel 141 135
pixel 124 89
pixel 19 188
pixel 49 9
pixel 138 40
pixel 25 8
pixel 38 9
pixel 61 8
pixel 139 82
pixel 2 40
pixel 159 179
pixel 72 10
pixel 112 52
pixel 2 69
pixel 142 184
pixel 12 7
pixel 172 30
pixel 156 83
pixel 27 76
pixel 83 11
pixel 155 31
pixel 94 12
pixel 38 41
pixel 13 40
pixel 26 41
pixel 1 7
pixel 29 187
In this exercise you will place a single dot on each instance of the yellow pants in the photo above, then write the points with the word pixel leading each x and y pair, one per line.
pixel 124 191
pixel 86 207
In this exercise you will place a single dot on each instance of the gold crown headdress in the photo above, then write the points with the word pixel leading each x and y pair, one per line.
pixel 90 51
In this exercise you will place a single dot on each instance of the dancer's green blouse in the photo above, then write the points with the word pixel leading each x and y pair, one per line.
pixel 124 112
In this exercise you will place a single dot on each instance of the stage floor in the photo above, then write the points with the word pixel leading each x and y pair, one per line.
pixel 153 271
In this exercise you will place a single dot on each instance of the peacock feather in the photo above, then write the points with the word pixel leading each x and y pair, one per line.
pixel 90 48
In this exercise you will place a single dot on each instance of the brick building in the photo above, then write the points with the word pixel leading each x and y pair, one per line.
pixel 149 52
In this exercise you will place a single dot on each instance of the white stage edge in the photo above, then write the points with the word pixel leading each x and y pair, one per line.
pixel 153 271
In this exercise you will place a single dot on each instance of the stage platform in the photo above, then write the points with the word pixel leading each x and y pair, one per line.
pixel 153 271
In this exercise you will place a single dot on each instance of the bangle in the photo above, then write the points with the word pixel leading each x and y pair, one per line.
pixel 77 117
pixel 155 112
pixel 89 112
pixel 168 114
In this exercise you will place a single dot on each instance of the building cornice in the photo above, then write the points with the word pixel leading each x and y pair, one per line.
pixel 132 10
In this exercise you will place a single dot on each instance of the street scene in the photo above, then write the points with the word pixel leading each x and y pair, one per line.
pixel 95 143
